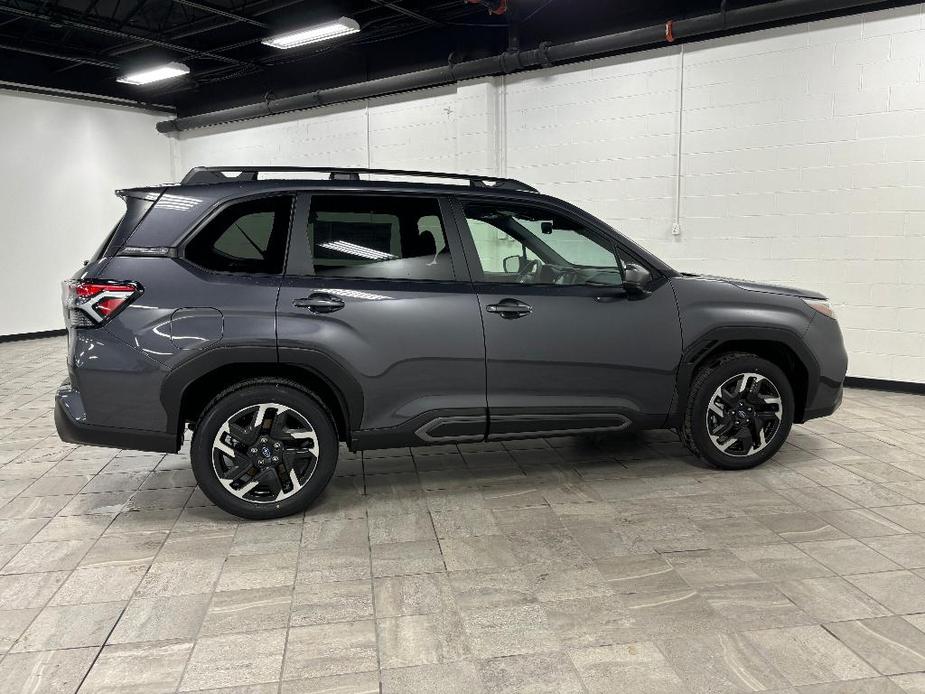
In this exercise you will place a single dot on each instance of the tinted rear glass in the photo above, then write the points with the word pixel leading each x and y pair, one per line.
pixel 247 237
pixel 135 210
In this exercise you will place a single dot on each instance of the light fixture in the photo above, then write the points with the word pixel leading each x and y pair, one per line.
pixel 357 250
pixel 313 34
pixel 155 74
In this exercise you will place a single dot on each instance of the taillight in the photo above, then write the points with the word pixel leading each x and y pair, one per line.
pixel 92 302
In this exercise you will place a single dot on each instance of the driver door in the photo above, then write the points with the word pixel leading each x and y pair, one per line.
pixel 568 349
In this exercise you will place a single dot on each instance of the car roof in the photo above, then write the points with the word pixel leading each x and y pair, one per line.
pixel 232 189
pixel 180 207
pixel 217 182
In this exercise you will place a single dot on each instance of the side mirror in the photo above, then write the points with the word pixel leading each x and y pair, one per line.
pixel 636 278
pixel 513 263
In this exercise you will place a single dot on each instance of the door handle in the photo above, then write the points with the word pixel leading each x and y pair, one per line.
pixel 319 302
pixel 510 308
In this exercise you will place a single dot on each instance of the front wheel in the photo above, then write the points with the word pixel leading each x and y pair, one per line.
pixel 739 411
pixel 264 450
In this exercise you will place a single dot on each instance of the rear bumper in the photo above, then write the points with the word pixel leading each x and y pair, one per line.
pixel 72 426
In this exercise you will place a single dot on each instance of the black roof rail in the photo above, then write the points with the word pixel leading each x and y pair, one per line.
pixel 219 174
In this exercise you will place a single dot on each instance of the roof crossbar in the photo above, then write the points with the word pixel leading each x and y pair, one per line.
pixel 229 174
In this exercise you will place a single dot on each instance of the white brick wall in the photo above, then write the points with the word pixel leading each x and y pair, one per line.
pixel 60 161
pixel 805 153
pixel 803 158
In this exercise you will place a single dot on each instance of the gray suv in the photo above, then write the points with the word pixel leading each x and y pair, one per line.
pixel 277 315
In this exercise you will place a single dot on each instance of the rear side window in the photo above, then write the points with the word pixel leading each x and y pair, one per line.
pixel 135 210
pixel 384 237
pixel 247 237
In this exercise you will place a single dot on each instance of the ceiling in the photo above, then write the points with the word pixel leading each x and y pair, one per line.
pixel 84 45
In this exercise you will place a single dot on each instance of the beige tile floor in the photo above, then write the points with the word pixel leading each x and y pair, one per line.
pixel 604 565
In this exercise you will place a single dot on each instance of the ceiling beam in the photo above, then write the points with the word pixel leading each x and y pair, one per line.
pixel 222 13
pixel 207 24
pixel 408 13
pixel 60 20
pixel 83 60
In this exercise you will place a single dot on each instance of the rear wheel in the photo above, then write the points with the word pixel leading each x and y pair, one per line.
pixel 739 411
pixel 264 450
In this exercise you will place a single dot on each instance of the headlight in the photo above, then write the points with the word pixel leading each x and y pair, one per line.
pixel 822 306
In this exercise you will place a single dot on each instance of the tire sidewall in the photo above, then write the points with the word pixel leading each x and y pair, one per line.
pixel 700 403
pixel 225 407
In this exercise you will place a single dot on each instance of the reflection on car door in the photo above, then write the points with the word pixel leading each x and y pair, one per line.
pixel 379 282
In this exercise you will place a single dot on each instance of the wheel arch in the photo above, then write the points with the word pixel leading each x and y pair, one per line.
pixel 781 347
pixel 189 388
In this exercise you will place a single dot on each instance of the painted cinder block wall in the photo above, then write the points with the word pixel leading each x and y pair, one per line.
pixel 802 158
pixel 60 161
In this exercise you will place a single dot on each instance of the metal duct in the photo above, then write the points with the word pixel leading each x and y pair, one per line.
pixel 515 61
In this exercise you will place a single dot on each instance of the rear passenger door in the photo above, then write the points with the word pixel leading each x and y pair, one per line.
pixel 376 285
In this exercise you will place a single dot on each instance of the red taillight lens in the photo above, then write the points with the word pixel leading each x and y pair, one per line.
pixel 84 289
pixel 92 302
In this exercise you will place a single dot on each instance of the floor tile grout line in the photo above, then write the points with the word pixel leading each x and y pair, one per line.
pixel 100 650
pixel 835 636
pixel 295 578
pixel 52 596
pixel 148 569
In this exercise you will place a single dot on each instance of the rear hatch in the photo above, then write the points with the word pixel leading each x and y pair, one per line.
pixel 138 202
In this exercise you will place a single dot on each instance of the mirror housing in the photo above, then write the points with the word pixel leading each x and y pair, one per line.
pixel 636 278
pixel 513 263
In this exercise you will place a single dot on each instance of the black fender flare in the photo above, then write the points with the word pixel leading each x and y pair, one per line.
pixel 694 355
pixel 324 367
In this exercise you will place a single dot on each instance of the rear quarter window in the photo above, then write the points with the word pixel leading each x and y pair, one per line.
pixel 246 237
pixel 135 210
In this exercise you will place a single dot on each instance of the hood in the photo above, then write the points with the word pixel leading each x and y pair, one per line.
pixel 759 287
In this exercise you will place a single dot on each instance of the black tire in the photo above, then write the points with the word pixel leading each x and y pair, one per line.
pixel 694 431
pixel 245 395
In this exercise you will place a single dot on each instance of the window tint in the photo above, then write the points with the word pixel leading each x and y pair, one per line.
pixel 246 237
pixel 536 246
pixel 379 237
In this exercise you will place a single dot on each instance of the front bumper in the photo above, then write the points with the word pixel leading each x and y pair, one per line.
pixel 826 402
pixel 72 426
pixel 824 339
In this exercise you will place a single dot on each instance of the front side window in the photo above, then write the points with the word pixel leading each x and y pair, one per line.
pixel 381 237
pixel 532 245
pixel 247 237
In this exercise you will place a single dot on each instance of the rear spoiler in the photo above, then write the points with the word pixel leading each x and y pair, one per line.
pixel 151 193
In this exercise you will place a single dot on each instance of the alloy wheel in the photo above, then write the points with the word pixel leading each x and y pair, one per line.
pixel 744 414
pixel 265 453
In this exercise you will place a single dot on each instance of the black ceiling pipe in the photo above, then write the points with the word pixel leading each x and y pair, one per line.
pixel 544 56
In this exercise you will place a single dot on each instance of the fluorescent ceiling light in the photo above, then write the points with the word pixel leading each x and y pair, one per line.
pixel 156 74
pixel 313 34
pixel 357 250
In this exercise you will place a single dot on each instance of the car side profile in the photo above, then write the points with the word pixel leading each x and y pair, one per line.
pixel 278 318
